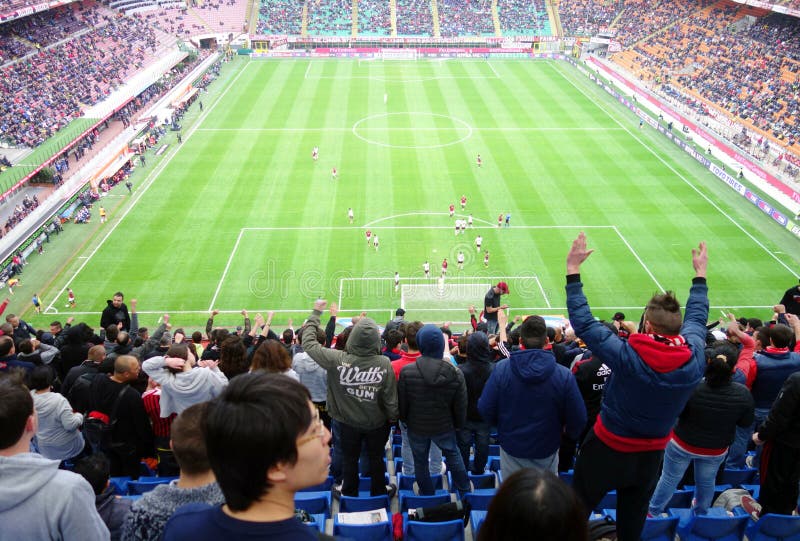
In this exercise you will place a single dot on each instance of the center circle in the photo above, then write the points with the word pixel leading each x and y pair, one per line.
pixel 412 130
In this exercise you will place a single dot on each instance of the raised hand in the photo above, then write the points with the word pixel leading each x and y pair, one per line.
pixel 700 260
pixel 578 253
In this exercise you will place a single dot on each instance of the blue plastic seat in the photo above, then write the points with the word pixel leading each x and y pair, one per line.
pixel 397 439
pixel 452 530
pixel 609 501
pixel 655 528
pixel 476 519
pixel 319 522
pixel 120 485
pixel 314 503
pixel 480 499
pixel 397 450
pixel 714 526
pixel 406 482
pixel 754 490
pixel 681 498
pixel 718 489
pixel 409 500
pixel 379 531
pixel 493 464
pixel 737 477
pixel 143 486
pixel 494 450
pixel 483 480
pixel 772 527
pixel 364 483
pixel 567 476
pixel 349 504
pixel 398 464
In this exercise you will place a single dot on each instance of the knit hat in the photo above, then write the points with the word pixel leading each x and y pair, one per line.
pixel 430 341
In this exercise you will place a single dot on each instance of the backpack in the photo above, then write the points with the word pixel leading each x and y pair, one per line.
pixel 98 428
pixel 602 529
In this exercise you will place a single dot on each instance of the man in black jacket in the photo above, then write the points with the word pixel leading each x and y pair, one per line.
pixel 116 312
pixel 433 403
pixel 780 461
pixel 476 370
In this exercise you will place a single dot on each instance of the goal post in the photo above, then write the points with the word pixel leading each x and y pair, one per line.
pixel 399 54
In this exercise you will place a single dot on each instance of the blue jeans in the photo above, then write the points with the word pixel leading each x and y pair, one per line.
pixel 434 456
pixel 509 464
pixel 676 460
pixel 420 445
pixel 481 431
pixel 492 327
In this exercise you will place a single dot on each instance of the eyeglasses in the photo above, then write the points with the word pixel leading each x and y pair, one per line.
pixel 320 433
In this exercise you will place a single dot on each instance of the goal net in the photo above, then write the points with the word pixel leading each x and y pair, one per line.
pixel 442 294
pixel 398 54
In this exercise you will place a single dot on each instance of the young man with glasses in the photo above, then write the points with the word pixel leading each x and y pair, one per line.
pixel 265 442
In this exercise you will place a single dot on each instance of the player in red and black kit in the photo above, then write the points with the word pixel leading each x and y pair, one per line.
pixel 452 210
pixel 444 267
pixel 463 202
pixel 369 236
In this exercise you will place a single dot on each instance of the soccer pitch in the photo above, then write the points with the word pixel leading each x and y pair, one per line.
pixel 241 217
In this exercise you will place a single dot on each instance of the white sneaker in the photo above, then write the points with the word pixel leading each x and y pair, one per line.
pixel 444 467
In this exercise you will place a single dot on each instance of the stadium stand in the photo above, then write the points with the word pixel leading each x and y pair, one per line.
pixel 280 17
pixel 414 18
pixel 459 18
pixel 330 18
pixel 523 18
pixel 374 18
pixel 586 17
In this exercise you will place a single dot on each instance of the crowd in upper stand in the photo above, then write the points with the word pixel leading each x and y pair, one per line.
pixel 459 18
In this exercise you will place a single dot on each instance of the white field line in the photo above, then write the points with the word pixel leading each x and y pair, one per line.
pixel 307 70
pixel 147 183
pixel 639 259
pixel 524 310
pixel 493 70
pixel 154 174
pixel 684 179
pixel 341 286
pixel 389 129
pixel 459 280
pixel 544 295
pixel 227 268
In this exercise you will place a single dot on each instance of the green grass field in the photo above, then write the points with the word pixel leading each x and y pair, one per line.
pixel 240 216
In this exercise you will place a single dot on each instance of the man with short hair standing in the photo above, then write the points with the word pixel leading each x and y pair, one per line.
pixel 653 375
pixel 491 305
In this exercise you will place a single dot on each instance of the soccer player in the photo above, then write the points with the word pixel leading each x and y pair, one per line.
pixel 102 215
pixel 70 298
pixel 12 283
pixel 37 304
pixel 129 185
pixel 460 260
pixel 369 236
pixel 315 153
pixel 458 226
pixel 478 160
pixel 508 219
pixel 463 226
pixel 463 202
pixel 375 242
pixel 478 242
pixel 486 259
pixel 444 267
pixel 350 215
pixel 396 281
pixel 469 221
pixel 452 210
pixel 426 268
pixel 500 220
pixel 334 174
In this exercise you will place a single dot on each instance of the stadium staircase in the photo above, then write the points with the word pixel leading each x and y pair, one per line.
pixel 496 19
pixel 199 18
pixel 252 17
pixel 393 16
pixel 435 14
pixel 354 15
pixel 555 21
pixel 304 23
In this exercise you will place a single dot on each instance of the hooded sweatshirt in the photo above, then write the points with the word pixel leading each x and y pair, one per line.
pixel 312 375
pixel 531 400
pixel 362 390
pixel 58 437
pixel 432 392
pixel 477 369
pixel 184 389
pixel 39 501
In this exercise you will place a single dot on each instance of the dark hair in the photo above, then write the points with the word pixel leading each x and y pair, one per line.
pixel 534 503
pixel 287 336
pixel 250 428
pixel 6 345
pixel 533 332
pixel 25 346
pixel 118 294
pixel 95 469
pixel 197 337
pixel 341 338
pixel 233 357
pixel 41 377
pixel 664 313
pixel 180 351
pixel 16 405
pixel 393 338
pixel 411 330
pixel 272 357
pixel 721 359
pixel 187 438
pixel 111 332
pixel 780 335
pixel 754 322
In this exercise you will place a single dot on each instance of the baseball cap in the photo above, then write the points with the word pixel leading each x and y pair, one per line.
pixel 503 287
pixel 619 316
